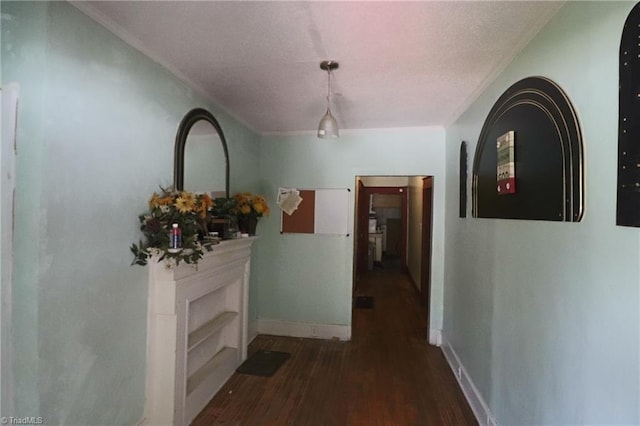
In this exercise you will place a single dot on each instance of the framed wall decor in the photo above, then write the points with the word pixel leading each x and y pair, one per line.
pixel 463 179
pixel 628 186
pixel 531 140
pixel 506 163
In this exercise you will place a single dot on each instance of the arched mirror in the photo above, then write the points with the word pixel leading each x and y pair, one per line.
pixel 201 158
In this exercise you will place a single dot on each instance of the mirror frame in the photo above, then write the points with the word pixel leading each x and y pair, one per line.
pixel 191 118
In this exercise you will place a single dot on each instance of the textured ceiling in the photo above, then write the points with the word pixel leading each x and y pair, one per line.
pixel 402 64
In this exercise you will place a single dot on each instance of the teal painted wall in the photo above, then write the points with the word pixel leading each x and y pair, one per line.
pixel 545 316
pixel 550 337
pixel 308 278
pixel 97 122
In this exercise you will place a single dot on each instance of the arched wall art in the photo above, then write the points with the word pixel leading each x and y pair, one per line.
pixel 463 179
pixel 628 193
pixel 528 162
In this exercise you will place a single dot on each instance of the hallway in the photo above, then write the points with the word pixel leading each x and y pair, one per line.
pixel 387 374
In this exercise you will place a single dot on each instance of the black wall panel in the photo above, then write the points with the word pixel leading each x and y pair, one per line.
pixel 628 193
pixel 463 179
pixel 548 155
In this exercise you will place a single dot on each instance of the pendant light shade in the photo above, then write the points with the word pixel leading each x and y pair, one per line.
pixel 328 127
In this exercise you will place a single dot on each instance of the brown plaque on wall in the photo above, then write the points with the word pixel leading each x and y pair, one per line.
pixel 302 221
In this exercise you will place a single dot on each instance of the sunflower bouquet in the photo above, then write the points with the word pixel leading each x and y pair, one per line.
pixel 249 208
pixel 169 207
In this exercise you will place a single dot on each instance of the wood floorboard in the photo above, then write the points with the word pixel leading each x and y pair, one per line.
pixel 386 375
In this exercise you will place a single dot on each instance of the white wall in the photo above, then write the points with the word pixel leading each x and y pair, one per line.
pixel 545 316
pixel 308 278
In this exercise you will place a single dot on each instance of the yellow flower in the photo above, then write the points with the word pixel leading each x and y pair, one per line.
pixel 207 200
pixel 185 202
pixel 203 209
pixel 165 201
pixel 154 201
pixel 251 204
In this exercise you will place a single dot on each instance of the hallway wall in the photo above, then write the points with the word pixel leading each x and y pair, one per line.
pixel 544 315
pixel 307 279
pixel 96 128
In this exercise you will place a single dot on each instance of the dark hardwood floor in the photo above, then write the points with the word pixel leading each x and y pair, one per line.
pixel 386 375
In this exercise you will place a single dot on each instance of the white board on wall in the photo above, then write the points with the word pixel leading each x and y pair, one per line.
pixel 332 211
pixel 321 211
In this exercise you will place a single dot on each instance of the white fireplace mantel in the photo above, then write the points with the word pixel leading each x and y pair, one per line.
pixel 196 331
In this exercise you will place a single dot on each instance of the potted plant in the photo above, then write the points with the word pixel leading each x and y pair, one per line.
pixel 250 208
pixel 223 217
pixel 188 211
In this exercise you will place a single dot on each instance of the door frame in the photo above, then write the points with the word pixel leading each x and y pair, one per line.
pixel 361 234
pixel 426 245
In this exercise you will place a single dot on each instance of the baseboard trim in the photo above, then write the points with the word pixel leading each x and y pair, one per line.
pixel 474 398
pixel 252 331
pixel 435 337
pixel 303 329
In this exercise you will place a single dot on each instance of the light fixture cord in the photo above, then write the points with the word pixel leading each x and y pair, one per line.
pixel 329 88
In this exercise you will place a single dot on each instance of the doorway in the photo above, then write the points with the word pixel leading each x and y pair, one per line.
pixel 393 237
pixel 382 226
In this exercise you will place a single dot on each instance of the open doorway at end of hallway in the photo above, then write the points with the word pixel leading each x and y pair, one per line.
pixel 392 248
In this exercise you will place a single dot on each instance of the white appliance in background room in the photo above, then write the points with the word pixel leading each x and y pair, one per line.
pixel 375 241
pixel 373 224
pixel 373 221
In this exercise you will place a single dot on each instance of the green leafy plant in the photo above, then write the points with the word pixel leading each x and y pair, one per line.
pixel 189 211
pixel 224 207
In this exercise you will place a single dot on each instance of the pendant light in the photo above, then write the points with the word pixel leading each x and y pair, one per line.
pixel 328 127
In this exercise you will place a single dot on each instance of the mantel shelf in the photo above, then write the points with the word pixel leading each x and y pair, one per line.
pixel 196 331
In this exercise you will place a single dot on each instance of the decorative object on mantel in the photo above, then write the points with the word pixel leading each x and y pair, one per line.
pixel 223 217
pixel 250 208
pixel 187 210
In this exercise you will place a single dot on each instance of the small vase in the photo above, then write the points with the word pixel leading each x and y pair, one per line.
pixel 231 229
pixel 248 225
